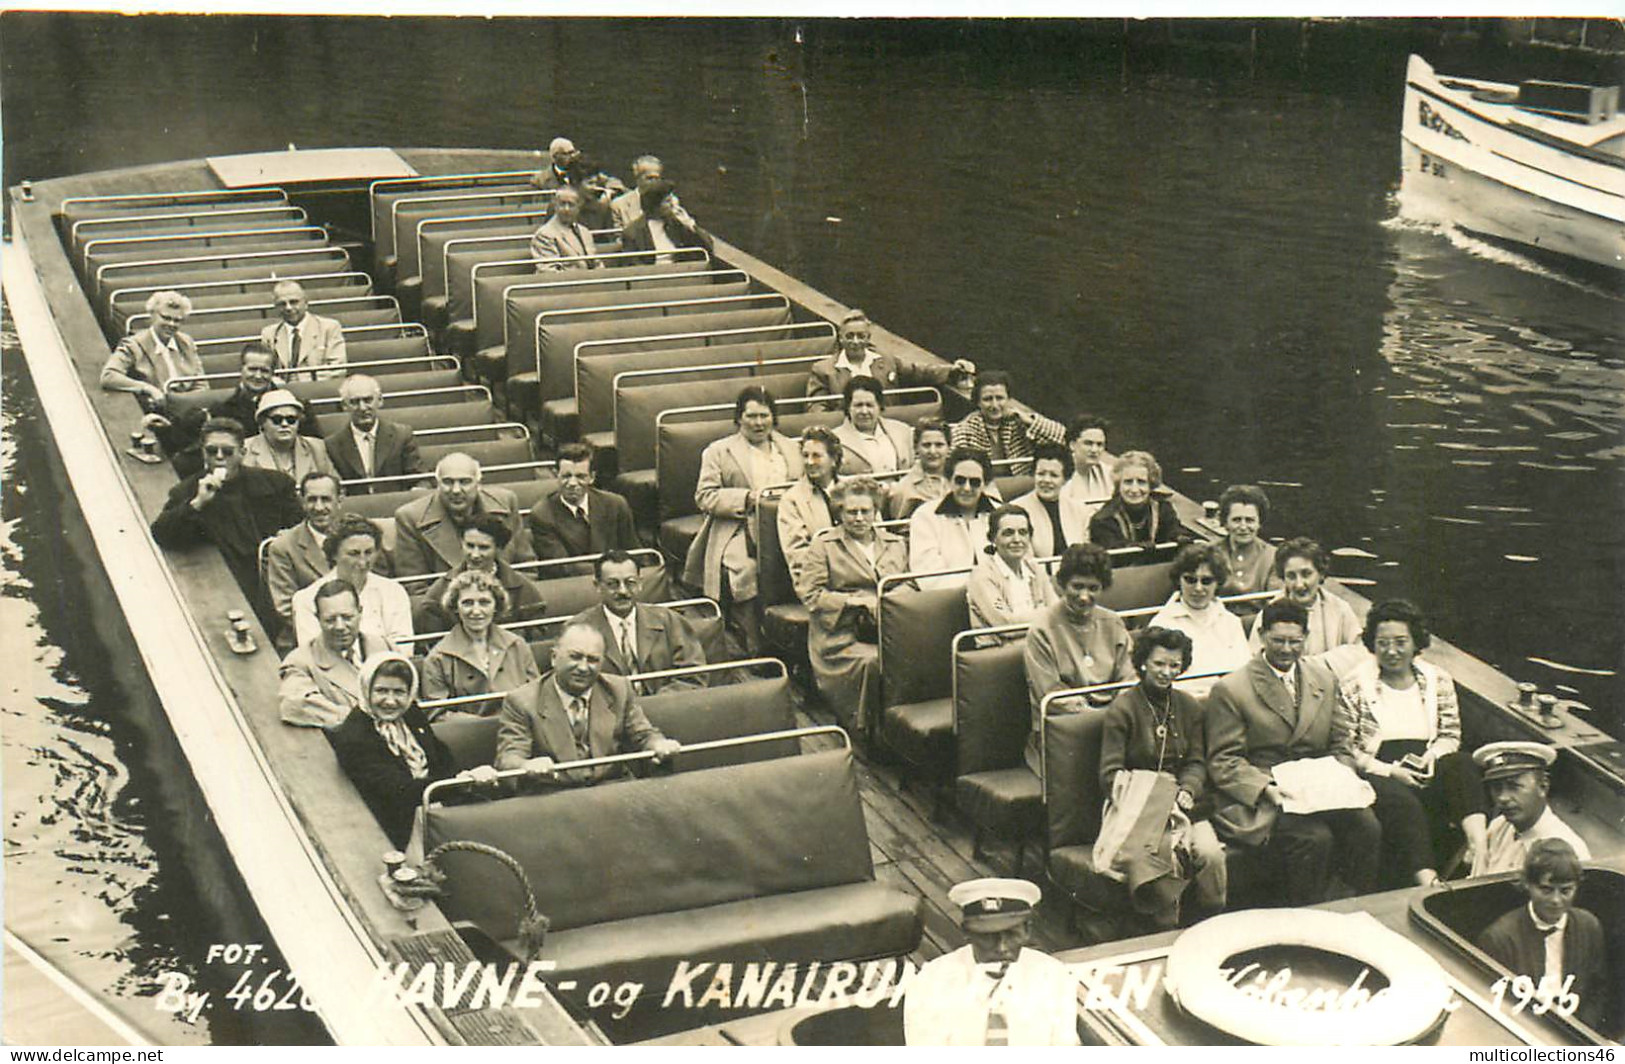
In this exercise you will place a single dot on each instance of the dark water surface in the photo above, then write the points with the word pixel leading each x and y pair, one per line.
pixel 1203 250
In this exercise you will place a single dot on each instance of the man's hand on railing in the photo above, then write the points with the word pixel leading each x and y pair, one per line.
pixel 479 774
pixel 663 749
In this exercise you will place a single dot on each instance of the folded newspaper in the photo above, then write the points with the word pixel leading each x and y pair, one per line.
pixel 1316 784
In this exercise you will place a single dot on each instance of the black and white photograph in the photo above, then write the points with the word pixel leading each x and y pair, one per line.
pixel 822 528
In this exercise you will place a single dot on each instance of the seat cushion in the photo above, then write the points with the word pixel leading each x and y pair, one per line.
pixel 560 419
pixel 524 392
pixel 922 734
pixel 409 293
pixel 1005 801
pixel 784 626
pixel 853 921
pixel 491 363
pixel 434 312
pixel 641 489
pixel 460 338
pixel 677 533
pixel 1073 869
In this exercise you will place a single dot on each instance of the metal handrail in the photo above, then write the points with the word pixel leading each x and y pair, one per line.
pixel 678 371
pixel 489 426
pixel 295 215
pixel 409 328
pixel 245 283
pixel 460 244
pixel 329 251
pixel 547 563
pixel 1076 692
pixel 185 383
pixel 85 251
pixel 478 389
pixel 459 219
pixel 248 310
pixel 680 255
pixel 213 195
pixel 554 622
pixel 395 207
pixel 675 253
pixel 506 467
pixel 434 707
pixel 462 782
pixel 796 401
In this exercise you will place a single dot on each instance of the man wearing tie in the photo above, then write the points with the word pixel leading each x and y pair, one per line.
pixel 638 636
pixel 577 518
pixel 994 991
pixel 573 713
pixel 564 243
pixel 303 339
pixel 370 446
pixel 321 680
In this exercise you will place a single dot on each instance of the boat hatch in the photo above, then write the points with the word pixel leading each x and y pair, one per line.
pixel 1582 103
pixel 297 167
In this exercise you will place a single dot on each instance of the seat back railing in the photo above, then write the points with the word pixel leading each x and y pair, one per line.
pixel 295 257
pixel 408 479
pixel 517 267
pixel 405 330
pixel 652 558
pixel 267 312
pixel 91 228
pixel 542 623
pixel 313 234
pixel 137 200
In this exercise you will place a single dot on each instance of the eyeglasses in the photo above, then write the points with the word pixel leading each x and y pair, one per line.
pixel 968 482
pixel 362 400
pixel 215 451
pixel 1205 581
pixel 283 419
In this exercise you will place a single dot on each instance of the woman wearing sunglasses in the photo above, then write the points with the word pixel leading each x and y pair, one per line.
pixel 1217 640
pixel 951 532
pixel 279 445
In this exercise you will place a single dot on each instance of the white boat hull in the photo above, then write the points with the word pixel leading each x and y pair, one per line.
pixel 1472 169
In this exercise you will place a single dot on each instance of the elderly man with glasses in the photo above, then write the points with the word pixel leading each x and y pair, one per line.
pixel 854 356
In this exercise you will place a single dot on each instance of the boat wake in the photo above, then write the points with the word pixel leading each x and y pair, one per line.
pixel 1402 220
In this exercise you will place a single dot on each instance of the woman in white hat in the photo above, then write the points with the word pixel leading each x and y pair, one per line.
pixel 279 445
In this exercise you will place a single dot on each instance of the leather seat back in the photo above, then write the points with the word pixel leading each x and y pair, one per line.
pixel 917 630
pixel 991 714
pixel 1072 795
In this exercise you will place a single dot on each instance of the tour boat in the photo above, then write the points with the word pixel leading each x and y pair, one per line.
pixel 81 255
pixel 1539 164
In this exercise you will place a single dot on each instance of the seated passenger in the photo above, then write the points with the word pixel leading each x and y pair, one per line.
pixel 1516 781
pixel 598 189
pixel 478 656
pixel 370 445
pixel 294 558
pixel 386 747
pixel 1000 428
pixel 1155 727
pixel 483 540
pixel 321 679
pixel 574 713
pixel 855 357
pixel 1075 643
pixel 1407 742
pixel 231 506
pixel 144 362
pixel 733 473
pixel 1058 521
pixel 1090 484
pixel 871 442
pixel 927 480
pixel 386 609
pixel 804 508
pixel 562 153
pixel 279 445
pixel 1283 707
pixel 1219 643
pixel 577 518
pixel 1139 513
pixel 1242 510
pixel 1300 566
pixel 256 376
pixel 1006 587
pixel 563 243
pixel 950 533
pixel 1558 946
pixel 638 636
pixel 840 583
pixel 302 339
pixel 429 529
pixel 628 206
pixel 663 228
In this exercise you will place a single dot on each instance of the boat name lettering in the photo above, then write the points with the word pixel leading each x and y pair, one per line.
pixel 476 985
pixel 1433 120
pixel 1275 988
pixel 769 984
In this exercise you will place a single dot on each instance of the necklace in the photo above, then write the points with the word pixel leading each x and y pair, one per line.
pixel 1163 717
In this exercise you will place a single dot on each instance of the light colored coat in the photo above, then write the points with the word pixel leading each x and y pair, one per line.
pixel 834 573
pixel 136 358
pixel 386 611
pixel 944 539
pixel 1074 520
pixel 803 513
pixel 1254 725
pixel 720 493
pixel 555 240
pixel 313 674
pixel 309 456
pixel 450 668
pixel 427 541
pixel 321 343
pixel 988 593
pixel 293 560
pixel 853 461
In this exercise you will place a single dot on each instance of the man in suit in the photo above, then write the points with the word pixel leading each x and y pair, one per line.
pixel 371 446
pixel 854 357
pixel 231 506
pixel 143 362
pixel 573 713
pixel 321 681
pixel 1279 708
pixel 562 151
pixel 628 206
pixel 1560 947
pixel 562 242
pixel 638 637
pixel 663 227
pixel 294 558
pixel 303 339
pixel 429 530
pixel 577 518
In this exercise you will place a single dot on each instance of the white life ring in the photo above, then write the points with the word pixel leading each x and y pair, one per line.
pixel 1417 993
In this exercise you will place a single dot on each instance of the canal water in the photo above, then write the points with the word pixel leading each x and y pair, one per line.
pixel 1195 241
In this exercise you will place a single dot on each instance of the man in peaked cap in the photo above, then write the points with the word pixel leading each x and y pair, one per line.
pixel 993 991
pixel 1516 781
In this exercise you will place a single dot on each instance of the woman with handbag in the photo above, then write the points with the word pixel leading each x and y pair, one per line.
pixel 1154 728
pixel 839 581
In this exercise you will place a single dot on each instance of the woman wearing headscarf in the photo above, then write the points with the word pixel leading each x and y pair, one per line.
pixel 386 747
